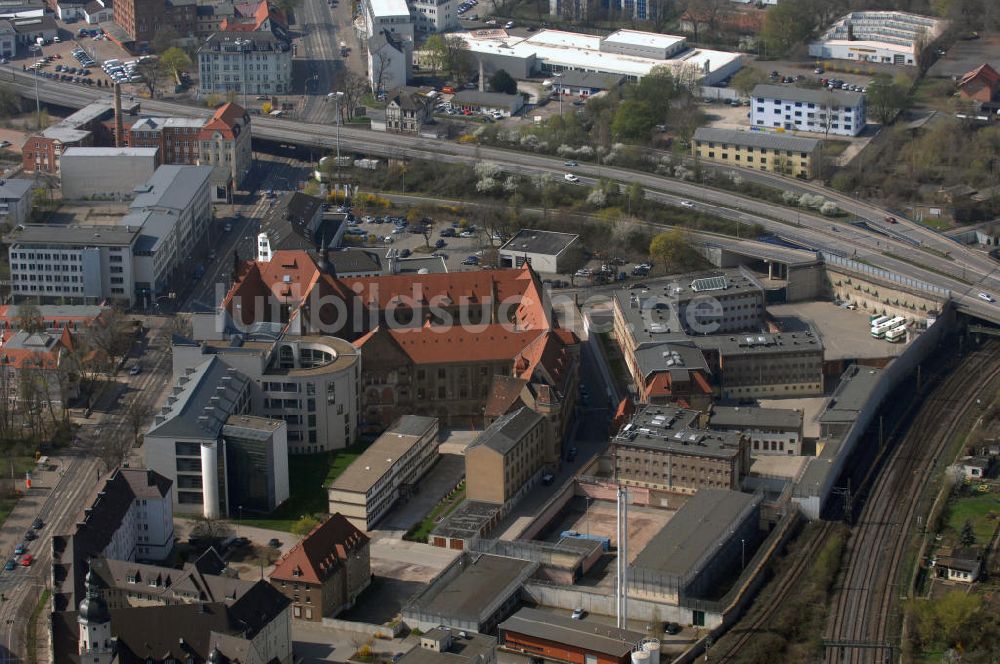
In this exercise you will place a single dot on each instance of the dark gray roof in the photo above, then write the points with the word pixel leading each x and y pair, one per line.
pixel 756 139
pixel 191 411
pixel 757 343
pixel 851 395
pixel 539 242
pixel 737 417
pixel 33 25
pixel 466 647
pixel 476 584
pixel 412 425
pixel 414 265
pixel 588 635
pixel 296 222
pixel 688 541
pixel 676 429
pixel 468 520
pixel 172 186
pixel 589 79
pixel 491 99
pixel 351 261
pixel 820 96
pixel 672 357
pixel 15 189
pixel 89 236
pixel 508 430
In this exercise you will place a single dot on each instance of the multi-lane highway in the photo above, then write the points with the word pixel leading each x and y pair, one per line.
pixel 937 260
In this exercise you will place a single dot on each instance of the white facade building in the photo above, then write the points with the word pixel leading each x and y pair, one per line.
pixel 800 109
pixel 15 201
pixel 886 37
pixel 389 60
pixel 434 15
pixel 256 63
pixel 389 15
pixel 105 173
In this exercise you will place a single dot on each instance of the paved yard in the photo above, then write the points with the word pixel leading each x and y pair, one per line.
pixel 442 478
pixel 846 334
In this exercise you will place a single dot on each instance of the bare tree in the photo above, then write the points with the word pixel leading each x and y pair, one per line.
pixel 354 86
pixel 381 62
pixel 29 318
pixel 179 324
pixel 137 416
pixel 111 335
pixel 214 530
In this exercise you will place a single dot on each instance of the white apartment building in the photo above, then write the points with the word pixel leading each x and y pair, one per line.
pixel 130 516
pixel 310 382
pixel 886 37
pixel 434 15
pixel 392 16
pixel 387 471
pixel 15 201
pixel 800 109
pixel 256 63
pixel 129 261
pixel 105 173
pixel 83 264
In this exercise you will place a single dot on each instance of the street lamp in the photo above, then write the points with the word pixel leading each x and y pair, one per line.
pixel 743 554
pixel 336 97
pixel 238 519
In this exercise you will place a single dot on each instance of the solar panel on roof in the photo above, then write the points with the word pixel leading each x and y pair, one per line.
pixel 708 284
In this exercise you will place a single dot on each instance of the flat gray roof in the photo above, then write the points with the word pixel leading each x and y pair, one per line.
pixel 682 357
pixel 466 595
pixel 431 265
pixel 384 453
pixel 91 236
pixel 821 96
pixel 759 343
pixel 750 418
pixel 539 242
pixel 756 139
pixel 465 646
pixel 172 186
pixel 110 152
pixel 467 520
pixel 686 543
pixel 851 395
pixel 15 189
pixel 249 426
pixel 676 429
pixel 591 636
pixel 651 307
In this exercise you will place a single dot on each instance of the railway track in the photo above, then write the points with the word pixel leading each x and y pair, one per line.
pixel 786 581
pixel 858 627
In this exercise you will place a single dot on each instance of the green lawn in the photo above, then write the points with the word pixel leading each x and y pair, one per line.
pixel 448 504
pixel 936 224
pixel 308 475
pixel 977 510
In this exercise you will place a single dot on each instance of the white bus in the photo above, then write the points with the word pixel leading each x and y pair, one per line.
pixel 878 331
pixel 896 335
pixel 875 319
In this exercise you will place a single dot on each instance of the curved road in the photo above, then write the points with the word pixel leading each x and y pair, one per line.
pixel 947 264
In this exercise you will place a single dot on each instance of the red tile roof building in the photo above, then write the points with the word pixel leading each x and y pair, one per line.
pixel 980 84
pixel 36 367
pixel 431 343
pixel 256 17
pixel 326 572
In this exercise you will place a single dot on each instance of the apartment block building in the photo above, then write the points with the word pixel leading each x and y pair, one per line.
pixel 665 448
pixel 309 382
pixel 140 19
pixel 774 153
pixel 507 458
pixel 434 15
pixel 804 109
pixel 771 430
pixel 324 573
pixel 248 63
pixel 87 127
pixel 387 471
pixel 430 343
pixel 765 365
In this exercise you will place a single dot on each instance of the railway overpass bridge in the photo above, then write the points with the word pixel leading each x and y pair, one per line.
pixel 938 260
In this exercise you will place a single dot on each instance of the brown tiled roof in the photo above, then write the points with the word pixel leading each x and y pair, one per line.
pixel 984 72
pixel 504 396
pixel 320 552
pixel 457 344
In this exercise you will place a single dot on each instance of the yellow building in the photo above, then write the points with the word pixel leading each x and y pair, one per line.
pixel 772 152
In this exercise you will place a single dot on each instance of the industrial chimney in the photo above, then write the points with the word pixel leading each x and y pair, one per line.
pixel 119 130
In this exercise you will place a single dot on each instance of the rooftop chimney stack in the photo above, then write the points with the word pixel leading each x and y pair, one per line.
pixel 119 130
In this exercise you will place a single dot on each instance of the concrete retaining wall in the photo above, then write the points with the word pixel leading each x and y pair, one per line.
pixel 549 512
pixel 368 629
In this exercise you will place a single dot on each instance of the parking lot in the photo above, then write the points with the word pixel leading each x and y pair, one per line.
pixel 60 57
pixel 456 249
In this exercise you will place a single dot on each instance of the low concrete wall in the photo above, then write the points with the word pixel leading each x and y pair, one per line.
pixel 549 512
pixel 391 629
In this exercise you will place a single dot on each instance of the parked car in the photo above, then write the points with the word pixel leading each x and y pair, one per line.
pixel 20 549
pixel 135 370
pixel 37 524
pixel 671 628
pixel 986 297
pixel 274 543
pixel 571 454
pixel 578 614
pixel 30 535
pixel 548 479
pixel 439 244
pixel 27 560
pixel 10 564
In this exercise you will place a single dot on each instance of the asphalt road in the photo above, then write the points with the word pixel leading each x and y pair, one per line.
pixel 319 46
pixel 954 271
